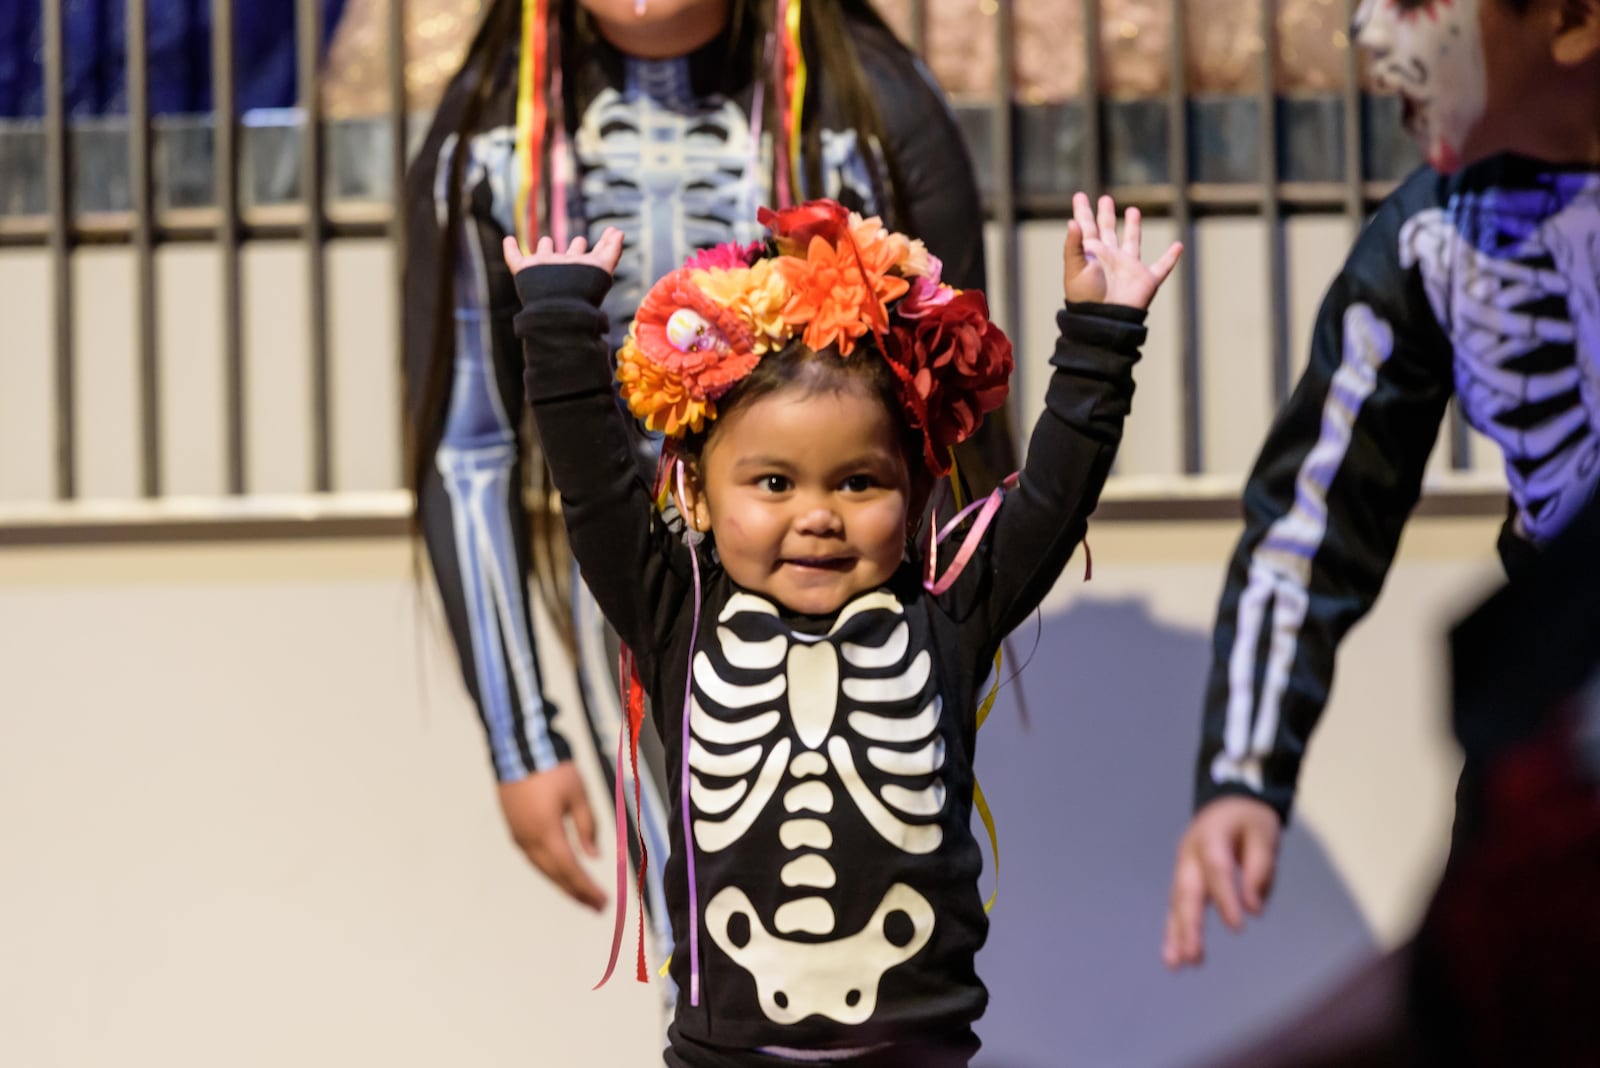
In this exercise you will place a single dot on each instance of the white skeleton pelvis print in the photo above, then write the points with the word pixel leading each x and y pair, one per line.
pixel 799 737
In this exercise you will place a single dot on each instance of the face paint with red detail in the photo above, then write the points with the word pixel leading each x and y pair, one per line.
pixel 1431 53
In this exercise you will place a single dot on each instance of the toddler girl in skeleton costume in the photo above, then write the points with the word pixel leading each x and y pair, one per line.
pixel 814 673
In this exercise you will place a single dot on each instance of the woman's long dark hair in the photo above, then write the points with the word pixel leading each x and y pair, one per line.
pixel 837 81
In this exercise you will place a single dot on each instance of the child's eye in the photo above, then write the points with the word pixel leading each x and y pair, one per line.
pixel 859 483
pixel 773 483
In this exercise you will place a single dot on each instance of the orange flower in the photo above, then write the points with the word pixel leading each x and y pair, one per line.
pixel 833 298
pixel 881 250
pixel 658 395
pixel 683 352
pixel 756 294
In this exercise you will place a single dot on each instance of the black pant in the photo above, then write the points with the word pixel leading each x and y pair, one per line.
pixel 687 1053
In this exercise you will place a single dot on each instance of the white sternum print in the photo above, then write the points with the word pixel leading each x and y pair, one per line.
pixel 778 737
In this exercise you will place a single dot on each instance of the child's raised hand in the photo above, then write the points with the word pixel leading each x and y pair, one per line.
pixel 605 254
pixel 1100 269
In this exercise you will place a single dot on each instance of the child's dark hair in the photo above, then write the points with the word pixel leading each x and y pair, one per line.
pixel 797 367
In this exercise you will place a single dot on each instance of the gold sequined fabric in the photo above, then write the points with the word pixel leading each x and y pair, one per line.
pixel 356 76
pixel 1222 51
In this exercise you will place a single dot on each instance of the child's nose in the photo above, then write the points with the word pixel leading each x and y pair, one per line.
pixel 819 520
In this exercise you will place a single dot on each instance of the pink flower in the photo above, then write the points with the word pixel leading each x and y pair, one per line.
pixel 927 293
pixel 724 257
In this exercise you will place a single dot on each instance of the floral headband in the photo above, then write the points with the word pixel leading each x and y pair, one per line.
pixel 830 278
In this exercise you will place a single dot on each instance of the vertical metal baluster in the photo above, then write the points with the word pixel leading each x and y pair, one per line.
pixel 225 165
pixel 1271 204
pixel 309 25
pixel 1355 163
pixel 58 182
pixel 399 106
pixel 1092 181
pixel 140 174
pixel 1183 218
pixel 1005 164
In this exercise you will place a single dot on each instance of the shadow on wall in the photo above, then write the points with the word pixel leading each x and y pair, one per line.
pixel 1090 797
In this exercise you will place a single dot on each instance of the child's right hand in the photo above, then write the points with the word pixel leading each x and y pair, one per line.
pixel 1100 269
pixel 605 254
pixel 536 810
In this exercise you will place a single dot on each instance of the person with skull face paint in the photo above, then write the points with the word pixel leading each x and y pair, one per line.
pixel 671 120
pixel 1479 278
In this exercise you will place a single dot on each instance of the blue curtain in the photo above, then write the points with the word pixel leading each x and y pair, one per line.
pixel 180 55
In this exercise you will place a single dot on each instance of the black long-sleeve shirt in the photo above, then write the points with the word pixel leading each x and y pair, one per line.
pixel 830 757
pixel 662 152
pixel 1485 286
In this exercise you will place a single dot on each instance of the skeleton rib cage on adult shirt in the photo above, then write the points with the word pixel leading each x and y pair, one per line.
pixel 830 758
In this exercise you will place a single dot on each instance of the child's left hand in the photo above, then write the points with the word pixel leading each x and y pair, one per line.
pixel 1100 269
pixel 605 254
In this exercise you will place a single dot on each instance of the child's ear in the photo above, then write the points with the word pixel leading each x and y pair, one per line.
pixel 1577 36
pixel 696 511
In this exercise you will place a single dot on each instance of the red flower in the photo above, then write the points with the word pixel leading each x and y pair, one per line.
pixel 954 367
pixel 795 227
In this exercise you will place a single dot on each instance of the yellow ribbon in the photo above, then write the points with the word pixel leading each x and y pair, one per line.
pixel 977 791
pixel 530 125
pixel 798 95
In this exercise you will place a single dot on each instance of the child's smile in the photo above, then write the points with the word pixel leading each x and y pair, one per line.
pixel 807 496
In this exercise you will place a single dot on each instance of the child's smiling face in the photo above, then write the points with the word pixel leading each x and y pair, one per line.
pixel 807 494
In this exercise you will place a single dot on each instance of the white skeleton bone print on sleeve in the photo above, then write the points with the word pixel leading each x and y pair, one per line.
pixel 818 741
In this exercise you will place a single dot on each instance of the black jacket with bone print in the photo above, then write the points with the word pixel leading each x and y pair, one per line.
pixel 830 758
pixel 1484 285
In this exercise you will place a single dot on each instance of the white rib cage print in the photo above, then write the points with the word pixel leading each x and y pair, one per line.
pixel 1517 287
pixel 816 725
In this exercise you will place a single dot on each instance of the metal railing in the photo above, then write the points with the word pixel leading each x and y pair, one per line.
pixel 228 180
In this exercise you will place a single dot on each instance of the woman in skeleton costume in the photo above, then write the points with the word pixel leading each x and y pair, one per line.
pixel 670 120
pixel 1479 278
pixel 815 679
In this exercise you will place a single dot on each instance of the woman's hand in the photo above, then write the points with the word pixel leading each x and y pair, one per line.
pixel 605 254
pixel 538 811
pixel 1100 269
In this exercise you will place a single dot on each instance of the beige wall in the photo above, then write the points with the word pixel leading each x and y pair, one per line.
pixel 245 816
pixel 246 820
